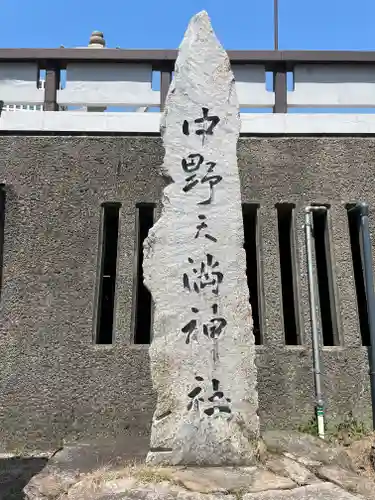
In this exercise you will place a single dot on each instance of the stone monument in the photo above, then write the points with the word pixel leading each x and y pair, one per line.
pixel 202 352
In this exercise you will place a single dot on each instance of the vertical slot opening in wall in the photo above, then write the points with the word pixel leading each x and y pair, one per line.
pixel 325 277
pixel 250 212
pixel 108 270
pixel 287 253
pixel 355 245
pixel 143 307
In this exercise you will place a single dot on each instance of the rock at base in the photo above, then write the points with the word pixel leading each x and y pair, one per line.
pixel 306 449
pixel 348 480
pixel 289 468
pixel 229 479
pixel 313 492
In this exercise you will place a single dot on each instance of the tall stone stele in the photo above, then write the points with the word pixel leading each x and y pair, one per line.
pixel 202 352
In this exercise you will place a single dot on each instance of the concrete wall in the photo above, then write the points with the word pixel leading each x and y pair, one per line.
pixel 55 383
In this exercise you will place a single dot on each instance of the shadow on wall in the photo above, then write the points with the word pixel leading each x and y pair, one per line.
pixel 15 473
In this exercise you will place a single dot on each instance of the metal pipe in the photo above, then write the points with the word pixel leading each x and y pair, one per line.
pixel 314 323
pixel 276 24
pixel 363 211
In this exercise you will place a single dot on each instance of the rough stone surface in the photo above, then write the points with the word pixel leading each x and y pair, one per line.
pixel 70 476
pixel 228 479
pixel 202 353
pixel 214 479
pixel 359 452
pixel 150 492
pixel 86 457
pixel 141 494
pixel 348 480
pixel 68 465
pixel 307 449
pixel 311 492
pixel 284 466
pixel 94 489
pixel 52 482
pixel 266 480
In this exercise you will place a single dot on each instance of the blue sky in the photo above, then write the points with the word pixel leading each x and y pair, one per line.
pixel 239 24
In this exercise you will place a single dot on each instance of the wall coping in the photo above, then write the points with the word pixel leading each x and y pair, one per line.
pixel 148 123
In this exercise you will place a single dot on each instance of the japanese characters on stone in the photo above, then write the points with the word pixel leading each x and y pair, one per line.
pixel 217 401
pixel 192 165
pixel 212 329
pixel 202 354
pixel 204 275
pixel 202 226
pixel 206 125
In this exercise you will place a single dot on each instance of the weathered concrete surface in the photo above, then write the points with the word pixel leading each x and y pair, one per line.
pixel 55 383
pixel 202 353
pixel 55 186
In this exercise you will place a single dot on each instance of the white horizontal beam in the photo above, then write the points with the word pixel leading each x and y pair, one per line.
pixel 251 86
pixel 327 86
pixel 146 123
pixel 108 85
pixel 18 84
